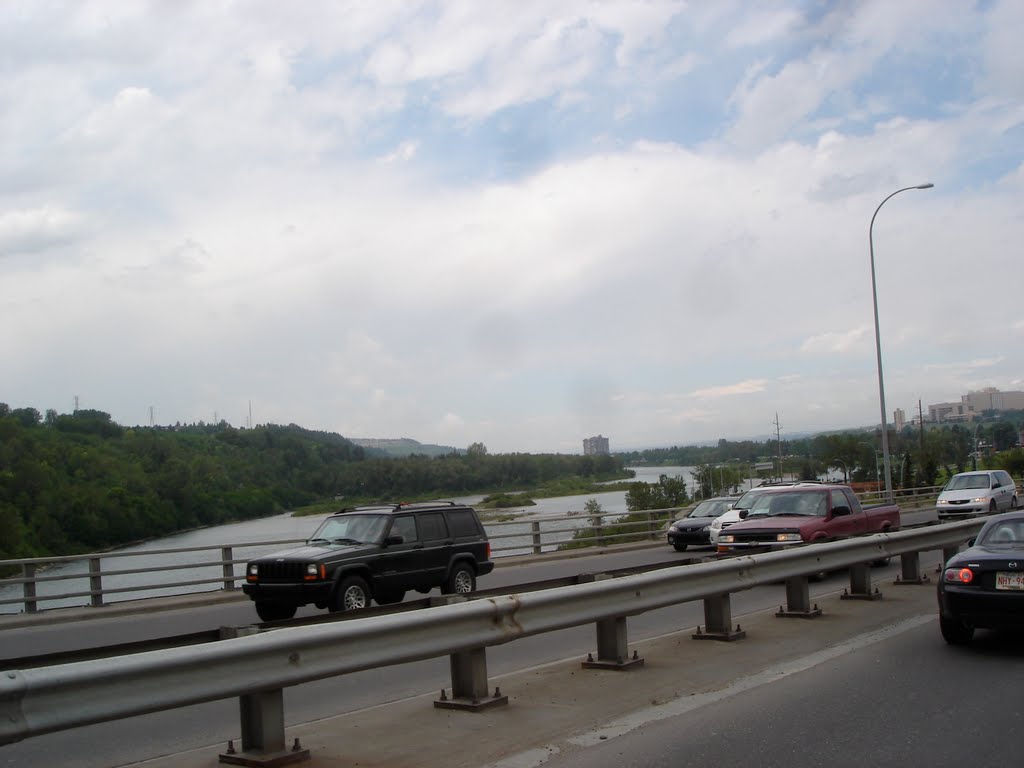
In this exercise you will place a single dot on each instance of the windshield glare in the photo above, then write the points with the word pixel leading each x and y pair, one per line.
pixel 361 528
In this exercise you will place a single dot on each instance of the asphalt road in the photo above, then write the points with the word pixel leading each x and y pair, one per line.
pixel 906 699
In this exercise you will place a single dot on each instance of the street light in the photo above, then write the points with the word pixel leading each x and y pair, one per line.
pixel 878 341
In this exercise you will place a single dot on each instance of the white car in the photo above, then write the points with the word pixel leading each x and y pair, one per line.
pixel 977 493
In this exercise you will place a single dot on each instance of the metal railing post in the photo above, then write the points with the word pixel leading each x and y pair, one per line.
pixel 28 571
pixel 910 569
pixel 718 620
pixel 535 532
pixel 612 647
pixel 95 583
pixel 263 740
pixel 227 567
pixel 798 600
pixel 860 584
pixel 469 683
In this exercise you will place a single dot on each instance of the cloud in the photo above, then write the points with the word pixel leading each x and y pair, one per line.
pixel 741 388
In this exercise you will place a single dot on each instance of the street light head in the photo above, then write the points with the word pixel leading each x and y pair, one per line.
pixel 929 185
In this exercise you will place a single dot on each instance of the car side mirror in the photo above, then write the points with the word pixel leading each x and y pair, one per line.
pixel 394 539
pixel 840 510
pixel 743 514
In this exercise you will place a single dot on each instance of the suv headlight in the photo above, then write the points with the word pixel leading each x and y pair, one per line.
pixel 941 502
pixel 314 572
pixel 788 537
pixel 252 572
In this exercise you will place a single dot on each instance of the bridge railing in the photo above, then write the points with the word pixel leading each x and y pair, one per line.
pixel 257 666
pixel 99 578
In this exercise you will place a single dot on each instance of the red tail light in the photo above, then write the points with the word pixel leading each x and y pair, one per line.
pixel 959 575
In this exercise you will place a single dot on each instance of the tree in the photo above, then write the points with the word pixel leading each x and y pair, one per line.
pixel 477 449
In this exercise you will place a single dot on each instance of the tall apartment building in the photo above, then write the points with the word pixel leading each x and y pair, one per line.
pixel 594 446
pixel 899 419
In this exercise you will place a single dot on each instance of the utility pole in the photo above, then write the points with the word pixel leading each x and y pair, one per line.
pixel 778 440
pixel 920 427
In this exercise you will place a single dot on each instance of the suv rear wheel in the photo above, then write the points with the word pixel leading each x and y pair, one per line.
pixel 352 594
pixel 461 581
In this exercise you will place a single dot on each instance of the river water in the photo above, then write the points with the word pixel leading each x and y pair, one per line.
pixel 253 538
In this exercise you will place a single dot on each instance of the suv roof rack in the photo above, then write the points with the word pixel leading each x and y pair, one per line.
pixel 412 506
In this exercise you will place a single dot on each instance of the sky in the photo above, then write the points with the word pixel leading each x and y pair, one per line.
pixel 516 223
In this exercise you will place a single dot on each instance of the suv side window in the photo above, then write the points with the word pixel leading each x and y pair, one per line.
pixel 432 526
pixel 462 523
pixel 405 526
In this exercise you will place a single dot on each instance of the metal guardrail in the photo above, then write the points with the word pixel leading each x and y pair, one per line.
pixel 523 536
pixel 258 667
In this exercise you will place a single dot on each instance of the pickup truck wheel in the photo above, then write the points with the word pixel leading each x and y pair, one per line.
pixel 269 611
pixel 461 581
pixel 679 547
pixel 386 597
pixel 352 594
pixel 954 631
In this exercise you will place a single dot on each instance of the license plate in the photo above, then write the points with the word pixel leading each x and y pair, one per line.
pixel 1006 580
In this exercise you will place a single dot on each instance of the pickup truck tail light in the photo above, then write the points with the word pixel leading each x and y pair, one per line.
pixel 958 575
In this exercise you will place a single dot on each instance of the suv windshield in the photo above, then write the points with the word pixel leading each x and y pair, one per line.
pixel 351 529
pixel 807 503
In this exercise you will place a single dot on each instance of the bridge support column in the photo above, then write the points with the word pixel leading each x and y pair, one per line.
pixel 612 647
pixel 718 621
pixel 798 600
pixel 263 741
pixel 860 584
pixel 910 569
pixel 469 683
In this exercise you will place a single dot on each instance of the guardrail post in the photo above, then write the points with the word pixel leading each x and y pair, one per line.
pixel 95 583
pixel 612 647
pixel 469 683
pixel 28 571
pixel 535 531
pixel 910 569
pixel 798 600
pixel 860 584
pixel 263 741
pixel 947 553
pixel 652 525
pixel 227 567
pixel 718 621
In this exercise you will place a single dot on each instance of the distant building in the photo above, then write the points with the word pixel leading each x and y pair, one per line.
pixel 595 446
pixel 899 419
pixel 974 404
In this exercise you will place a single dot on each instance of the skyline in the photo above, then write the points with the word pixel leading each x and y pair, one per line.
pixel 513 224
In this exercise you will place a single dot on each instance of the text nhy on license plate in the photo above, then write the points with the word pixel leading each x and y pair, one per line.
pixel 1007 580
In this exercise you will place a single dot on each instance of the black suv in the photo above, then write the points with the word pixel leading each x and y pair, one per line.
pixel 376 552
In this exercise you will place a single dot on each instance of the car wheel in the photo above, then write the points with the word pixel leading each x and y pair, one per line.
pixel 679 547
pixel 268 611
pixel 352 594
pixel 460 581
pixel 992 507
pixel 954 631
pixel 386 597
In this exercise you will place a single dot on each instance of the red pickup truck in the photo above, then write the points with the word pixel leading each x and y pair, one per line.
pixel 786 517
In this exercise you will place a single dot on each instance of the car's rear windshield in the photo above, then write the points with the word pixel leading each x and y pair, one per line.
pixel 963 482
pixel 1004 532
pixel 352 528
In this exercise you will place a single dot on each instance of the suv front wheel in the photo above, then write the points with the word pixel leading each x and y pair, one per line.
pixel 461 581
pixel 352 594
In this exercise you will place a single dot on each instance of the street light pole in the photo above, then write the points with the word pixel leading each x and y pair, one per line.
pixel 878 341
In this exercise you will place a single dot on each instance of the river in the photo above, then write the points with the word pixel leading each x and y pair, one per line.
pixel 277 528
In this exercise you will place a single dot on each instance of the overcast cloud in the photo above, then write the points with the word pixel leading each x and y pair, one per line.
pixel 520 223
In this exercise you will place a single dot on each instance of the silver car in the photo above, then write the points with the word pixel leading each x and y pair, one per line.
pixel 977 493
